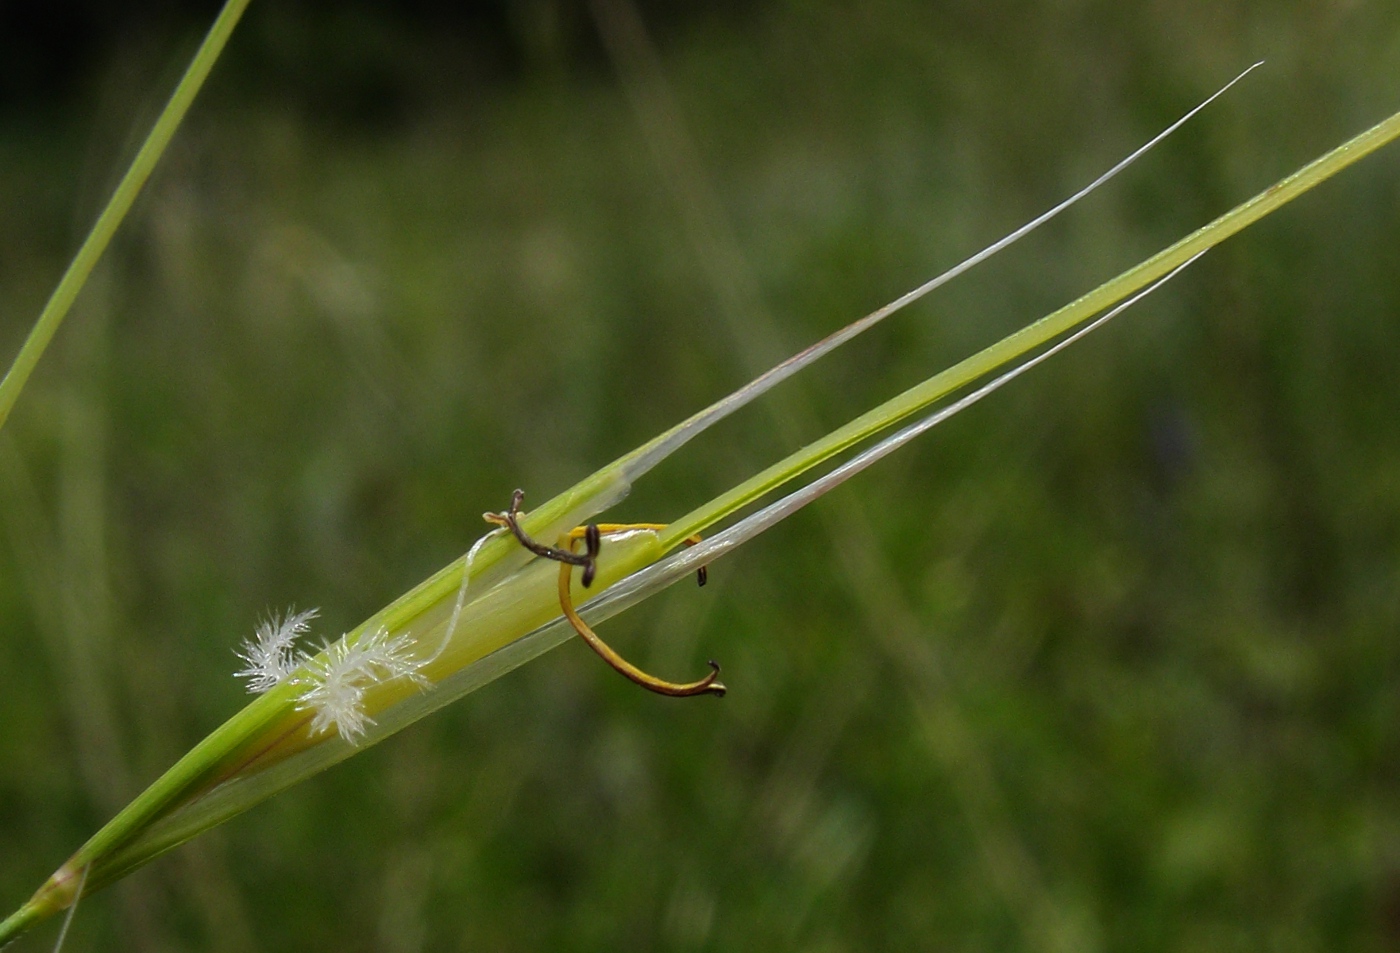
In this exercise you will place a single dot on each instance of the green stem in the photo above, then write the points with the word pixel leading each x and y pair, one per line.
pixel 117 206
pixel 1032 336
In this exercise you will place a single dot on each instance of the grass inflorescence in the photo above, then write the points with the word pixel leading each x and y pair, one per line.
pixel 488 611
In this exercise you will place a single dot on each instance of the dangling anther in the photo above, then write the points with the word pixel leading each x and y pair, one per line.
pixel 702 575
pixel 511 520
pixel 593 541
pixel 592 535
pixel 709 685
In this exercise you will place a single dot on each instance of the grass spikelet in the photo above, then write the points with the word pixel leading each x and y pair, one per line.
pixel 498 606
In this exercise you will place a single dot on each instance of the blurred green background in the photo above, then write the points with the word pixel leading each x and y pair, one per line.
pixel 1110 662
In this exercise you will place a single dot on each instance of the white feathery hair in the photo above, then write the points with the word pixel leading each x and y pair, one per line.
pixel 338 678
pixel 271 656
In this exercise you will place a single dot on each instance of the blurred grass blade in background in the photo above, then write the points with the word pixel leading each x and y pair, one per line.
pixel 486 613
pixel 76 275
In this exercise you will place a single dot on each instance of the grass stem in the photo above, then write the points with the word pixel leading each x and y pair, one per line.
pixel 69 286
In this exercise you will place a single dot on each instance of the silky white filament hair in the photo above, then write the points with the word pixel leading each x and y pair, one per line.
pixel 467 561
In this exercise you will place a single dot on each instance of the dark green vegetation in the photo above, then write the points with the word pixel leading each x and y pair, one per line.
pixel 1110 662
